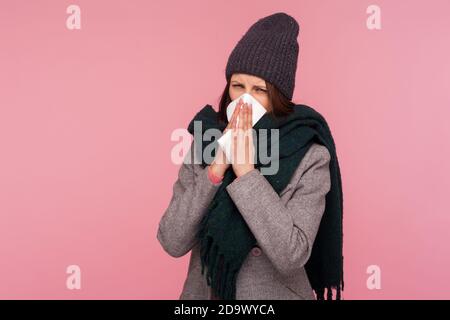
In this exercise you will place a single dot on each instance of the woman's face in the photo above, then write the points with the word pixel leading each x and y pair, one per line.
pixel 241 83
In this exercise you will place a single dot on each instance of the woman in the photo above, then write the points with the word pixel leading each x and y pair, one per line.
pixel 258 236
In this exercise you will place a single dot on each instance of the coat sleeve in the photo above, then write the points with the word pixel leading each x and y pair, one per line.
pixel 285 231
pixel 192 193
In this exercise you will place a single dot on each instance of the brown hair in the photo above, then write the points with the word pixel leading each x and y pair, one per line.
pixel 281 106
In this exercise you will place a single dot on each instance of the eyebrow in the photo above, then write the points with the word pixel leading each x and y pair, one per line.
pixel 257 86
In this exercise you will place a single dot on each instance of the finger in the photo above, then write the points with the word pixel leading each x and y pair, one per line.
pixel 234 145
pixel 233 116
pixel 234 124
pixel 247 133
pixel 236 109
pixel 242 134
pixel 247 117
pixel 234 128
pixel 250 114
pixel 246 147
pixel 250 134
pixel 240 146
pixel 230 123
pixel 233 121
pixel 241 112
pixel 242 117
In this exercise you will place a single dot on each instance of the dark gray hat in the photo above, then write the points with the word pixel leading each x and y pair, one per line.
pixel 269 50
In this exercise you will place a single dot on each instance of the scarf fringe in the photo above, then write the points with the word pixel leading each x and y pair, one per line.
pixel 221 278
pixel 320 292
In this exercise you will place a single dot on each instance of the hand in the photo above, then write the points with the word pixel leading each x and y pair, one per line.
pixel 242 146
pixel 220 163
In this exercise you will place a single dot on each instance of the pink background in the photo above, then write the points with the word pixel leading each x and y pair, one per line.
pixel 86 117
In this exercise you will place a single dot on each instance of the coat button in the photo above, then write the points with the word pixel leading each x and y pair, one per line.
pixel 256 251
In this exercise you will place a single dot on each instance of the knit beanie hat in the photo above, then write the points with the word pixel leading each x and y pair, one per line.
pixel 269 50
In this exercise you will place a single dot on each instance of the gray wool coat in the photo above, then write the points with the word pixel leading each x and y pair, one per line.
pixel 284 225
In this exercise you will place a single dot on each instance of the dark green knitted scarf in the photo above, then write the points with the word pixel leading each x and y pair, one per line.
pixel 226 240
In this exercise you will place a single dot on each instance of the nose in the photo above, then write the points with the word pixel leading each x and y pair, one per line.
pixel 249 92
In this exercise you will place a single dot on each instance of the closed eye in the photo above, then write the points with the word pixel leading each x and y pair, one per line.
pixel 257 89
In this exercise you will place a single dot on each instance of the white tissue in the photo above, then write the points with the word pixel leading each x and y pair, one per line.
pixel 257 112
